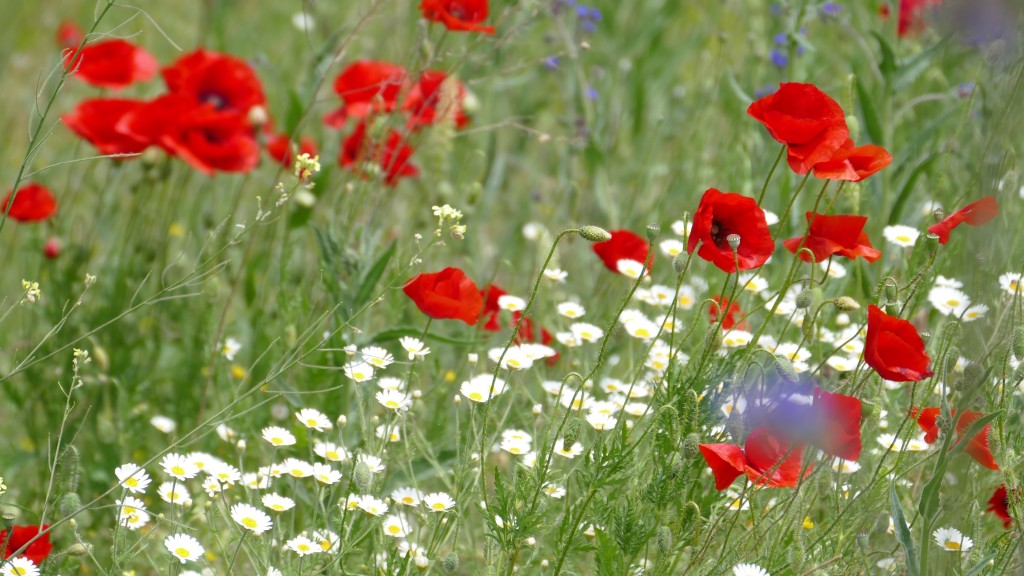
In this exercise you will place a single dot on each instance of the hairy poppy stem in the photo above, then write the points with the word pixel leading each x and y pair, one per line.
pixel 764 188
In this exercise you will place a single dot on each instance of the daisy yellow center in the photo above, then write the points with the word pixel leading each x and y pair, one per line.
pixel 685 300
pixel 952 545
pixel 577 403
pixel 182 552
pixel 391 404
pixel 515 450
pixel 514 363
pixel 296 472
pixel 249 523
pixel 129 510
pixel 276 441
pixel 20 571
pixel 903 238
pixel 643 333
pixel 360 375
pixel 131 482
pixel 394 529
pixel 1013 285
pixel 325 544
pixel 408 500
pixel 303 548
pixel 332 455
pixel 311 422
pixel 952 302
pixel 476 396
pixel 571 313
pixel 178 470
pixel 972 314
pixel 277 507
pixel 586 335
pixel 438 506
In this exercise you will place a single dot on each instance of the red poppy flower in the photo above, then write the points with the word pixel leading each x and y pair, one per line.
pixel 208 139
pixel 720 215
pixel 894 348
pixel 623 245
pixel 762 452
pixel 837 424
pixel 458 15
pixel 830 422
pixel 974 214
pixel 810 123
pixel 392 155
pixel 113 64
pixel 226 83
pixel 447 294
pixel 491 310
pixel 853 164
pixel 96 121
pixel 913 14
pixel 999 504
pixel 829 235
pixel 20 535
pixel 33 203
pixel 366 87
pixel 734 316
pixel 69 35
pixel 977 447
pixel 426 104
pixel 281 148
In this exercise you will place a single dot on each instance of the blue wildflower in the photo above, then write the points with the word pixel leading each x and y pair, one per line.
pixel 779 58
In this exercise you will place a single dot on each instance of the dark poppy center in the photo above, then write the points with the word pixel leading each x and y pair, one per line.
pixel 216 100
pixel 719 234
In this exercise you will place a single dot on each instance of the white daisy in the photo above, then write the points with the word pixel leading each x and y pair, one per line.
pixel 184 547
pixel 179 466
pixel 375 464
pixel 950 539
pixel 394 400
pixel 975 312
pixel 601 422
pixel 901 235
pixel 556 274
pixel 175 493
pixel 407 496
pixel 325 475
pixel 277 503
pixel 19 566
pixel 845 466
pixel 372 506
pixel 571 310
pixel 414 347
pixel 297 468
pixel 395 527
pixel 1011 282
pixel 630 268
pixel 331 451
pixel 302 546
pixel 229 348
pixel 749 570
pixel 313 419
pixel 163 424
pixel 278 436
pixel 377 357
pixel 948 300
pixel 251 518
pixel 586 332
pixel 438 502
pixel 132 477
pixel 358 371
pixel 511 303
pixel 681 228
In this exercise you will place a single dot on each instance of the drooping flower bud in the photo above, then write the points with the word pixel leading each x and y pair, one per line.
pixel 594 234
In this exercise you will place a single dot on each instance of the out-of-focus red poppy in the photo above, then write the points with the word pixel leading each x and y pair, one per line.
pixel 763 458
pixel 999 504
pixel 96 121
pixel 447 294
pixel 69 35
pixel 113 64
pixel 207 138
pixel 282 149
pixel 977 447
pixel 720 215
pixel 491 310
pixel 623 245
pixel 913 15
pixel 225 82
pixel 435 97
pixel 894 348
pixel 853 164
pixel 367 87
pixel 734 316
pixel 20 535
pixel 458 15
pixel 974 214
pixel 32 203
pixel 391 156
pixel 836 428
pixel 810 123
pixel 829 235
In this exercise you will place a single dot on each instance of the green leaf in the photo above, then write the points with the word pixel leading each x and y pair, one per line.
pixel 396 333
pixel 903 532
pixel 373 277
pixel 889 65
pixel 981 565
pixel 872 123
pixel 973 430
pixel 908 188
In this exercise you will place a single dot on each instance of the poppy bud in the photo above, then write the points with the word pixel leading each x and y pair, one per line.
pixel 363 476
pixel 951 357
pixel 893 309
pixel 652 232
pixel 691 446
pixel 572 432
pixel 891 292
pixel 594 234
pixel 804 299
pixel 785 370
pixel 1018 343
pixel 1018 374
pixel 52 248
pixel 679 264
pixel 713 338
pixel 451 562
pixel 846 304
pixel 807 328
pixel 69 504
pixel 664 539
pixel 973 373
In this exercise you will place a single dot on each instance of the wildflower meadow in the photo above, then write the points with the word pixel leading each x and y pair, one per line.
pixel 495 287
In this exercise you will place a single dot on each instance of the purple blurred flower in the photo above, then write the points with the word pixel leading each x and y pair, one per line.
pixel 779 58
pixel 764 91
pixel 551 63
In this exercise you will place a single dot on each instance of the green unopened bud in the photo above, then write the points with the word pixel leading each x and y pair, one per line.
pixel 691 446
pixel 951 357
pixel 664 539
pixel 854 125
pixel 1018 343
pixel 804 299
pixel 451 562
pixel 679 263
pixel 846 304
pixel 734 241
pixel 892 292
pixel 653 230
pixel 69 504
pixel 785 370
pixel 973 373
pixel 594 234
pixel 867 410
pixel 713 338
pixel 572 432
pixel 77 549
pixel 892 309
pixel 1018 374
pixel 808 329
pixel 363 476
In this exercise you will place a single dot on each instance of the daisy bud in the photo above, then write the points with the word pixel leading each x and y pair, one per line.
pixel 734 241
pixel 544 563
pixel 691 446
pixel 1018 343
pixel 342 421
pixel 785 370
pixel 679 264
pixel 474 358
pixel 77 549
pixel 457 400
pixel 846 304
pixel 538 409
pixel 804 299
pixel 664 539
pixel 363 476
pixel 594 234
pixel 451 562
pixel 652 232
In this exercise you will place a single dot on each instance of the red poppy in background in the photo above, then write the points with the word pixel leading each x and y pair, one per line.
pixel 836 428
pixel 69 35
pixel 445 295
pixel 762 452
pixel 366 87
pixel 224 82
pixel 913 14
pixel 999 504
pixel 977 447
pixel 734 316
pixel 426 104
pixel 894 348
pixel 391 155
pixel 853 164
pixel 20 535
pixel 33 203
pixel 96 121
pixel 282 149
pixel 720 215
pixel 829 235
pixel 623 245
pixel 491 310
pixel 810 123
pixel 208 139
pixel 113 64
pixel 458 15
pixel 974 214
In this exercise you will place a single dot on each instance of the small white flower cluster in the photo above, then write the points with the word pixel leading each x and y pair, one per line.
pixel 448 216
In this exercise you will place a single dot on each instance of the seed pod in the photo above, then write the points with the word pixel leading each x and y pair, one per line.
pixel 652 232
pixel 594 234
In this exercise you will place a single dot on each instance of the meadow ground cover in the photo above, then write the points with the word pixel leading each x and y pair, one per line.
pixel 511 287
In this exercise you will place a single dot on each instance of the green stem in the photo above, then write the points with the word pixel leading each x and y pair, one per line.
pixel 760 197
